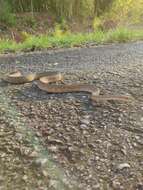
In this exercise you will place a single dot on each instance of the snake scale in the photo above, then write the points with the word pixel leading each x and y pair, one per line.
pixel 44 80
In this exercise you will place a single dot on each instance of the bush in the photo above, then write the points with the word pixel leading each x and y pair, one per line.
pixel 60 30
pixel 129 11
pixel 6 16
pixel 120 35
pixel 97 23
pixel 30 21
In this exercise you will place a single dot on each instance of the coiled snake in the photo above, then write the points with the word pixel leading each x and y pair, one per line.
pixel 45 79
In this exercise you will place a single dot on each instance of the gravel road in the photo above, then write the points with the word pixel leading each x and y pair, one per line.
pixel 65 141
pixel 77 58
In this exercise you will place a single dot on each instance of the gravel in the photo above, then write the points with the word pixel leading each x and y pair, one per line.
pixel 65 141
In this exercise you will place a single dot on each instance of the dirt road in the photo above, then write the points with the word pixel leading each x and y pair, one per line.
pixel 65 141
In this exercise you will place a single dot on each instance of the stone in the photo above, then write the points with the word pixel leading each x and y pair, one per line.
pixel 122 166
pixel 41 161
pixel 85 121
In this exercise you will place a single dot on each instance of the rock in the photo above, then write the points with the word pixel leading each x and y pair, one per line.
pixel 85 121
pixel 55 141
pixel 97 158
pixel 53 148
pixel 95 77
pixel 83 126
pixel 139 186
pixel 41 161
pixel 44 173
pixel 33 154
pixel 55 63
pixel 25 177
pixel 1 179
pixel 38 134
pixel 18 136
pixel 54 184
pixel 97 186
pixel 116 184
pixel 124 151
pixel 122 166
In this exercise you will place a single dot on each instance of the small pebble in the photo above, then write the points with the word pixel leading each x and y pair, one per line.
pixel 122 166
pixel 85 121
pixel 25 177
pixel 41 161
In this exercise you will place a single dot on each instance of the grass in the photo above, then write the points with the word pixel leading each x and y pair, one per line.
pixel 71 40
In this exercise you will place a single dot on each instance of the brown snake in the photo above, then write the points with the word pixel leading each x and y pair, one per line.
pixel 45 78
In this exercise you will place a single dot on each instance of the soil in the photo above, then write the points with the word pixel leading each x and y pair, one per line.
pixel 65 141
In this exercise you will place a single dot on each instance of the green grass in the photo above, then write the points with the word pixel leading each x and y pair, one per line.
pixel 71 40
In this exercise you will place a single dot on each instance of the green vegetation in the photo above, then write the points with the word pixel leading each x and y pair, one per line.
pixel 107 21
pixel 119 10
pixel 70 40
pixel 6 15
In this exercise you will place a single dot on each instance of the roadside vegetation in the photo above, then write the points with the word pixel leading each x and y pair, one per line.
pixel 67 23
pixel 33 42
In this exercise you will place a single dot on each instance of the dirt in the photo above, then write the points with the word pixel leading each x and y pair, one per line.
pixel 71 142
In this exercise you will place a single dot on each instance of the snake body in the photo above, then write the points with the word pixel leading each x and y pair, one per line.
pixel 45 79
pixel 19 78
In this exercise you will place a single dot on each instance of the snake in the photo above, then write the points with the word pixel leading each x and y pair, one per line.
pixel 44 80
